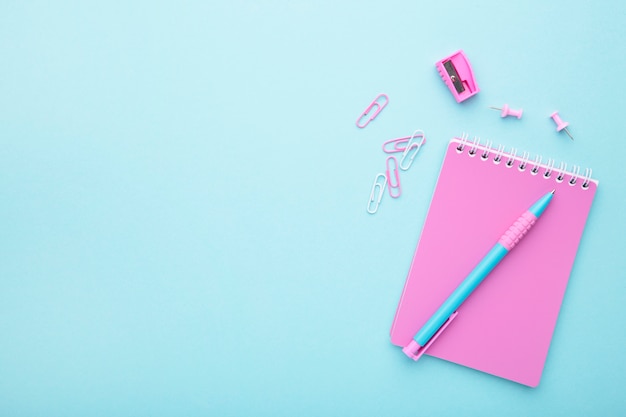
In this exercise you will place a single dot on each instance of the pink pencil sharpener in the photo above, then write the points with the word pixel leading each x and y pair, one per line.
pixel 456 72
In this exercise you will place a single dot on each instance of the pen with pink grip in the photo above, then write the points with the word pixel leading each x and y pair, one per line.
pixel 447 311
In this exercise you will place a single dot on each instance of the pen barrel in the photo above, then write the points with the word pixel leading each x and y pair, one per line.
pixel 467 286
pixel 484 267
pixel 516 232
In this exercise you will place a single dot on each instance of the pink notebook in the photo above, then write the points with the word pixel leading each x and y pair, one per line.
pixel 504 328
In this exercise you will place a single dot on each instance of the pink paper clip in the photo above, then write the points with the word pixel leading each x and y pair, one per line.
pixel 377 105
pixel 399 145
pixel 393 177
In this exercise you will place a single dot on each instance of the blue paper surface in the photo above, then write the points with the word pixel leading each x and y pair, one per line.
pixel 184 189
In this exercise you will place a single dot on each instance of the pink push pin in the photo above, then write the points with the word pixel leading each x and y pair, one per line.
pixel 507 111
pixel 560 124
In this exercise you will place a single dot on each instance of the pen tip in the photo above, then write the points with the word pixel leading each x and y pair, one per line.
pixel 552 192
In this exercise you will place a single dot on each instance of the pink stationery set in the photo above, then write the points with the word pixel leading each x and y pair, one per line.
pixel 505 327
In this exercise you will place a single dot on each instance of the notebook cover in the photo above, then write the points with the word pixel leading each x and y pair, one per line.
pixel 504 328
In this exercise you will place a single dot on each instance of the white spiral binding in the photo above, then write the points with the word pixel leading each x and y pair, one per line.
pixel 486 151
pixel 562 171
pixel 536 165
pixel 474 148
pixel 510 160
pixel 524 162
pixel 574 175
pixel 561 174
pixel 498 154
pixel 587 178
pixel 549 169
pixel 461 145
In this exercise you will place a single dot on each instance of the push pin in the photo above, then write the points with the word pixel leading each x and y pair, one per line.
pixel 507 111
pixel 560 124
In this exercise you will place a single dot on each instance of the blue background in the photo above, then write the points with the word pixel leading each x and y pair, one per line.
pixel 183 202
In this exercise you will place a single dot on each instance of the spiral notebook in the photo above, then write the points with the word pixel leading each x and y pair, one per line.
pixel 505 327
